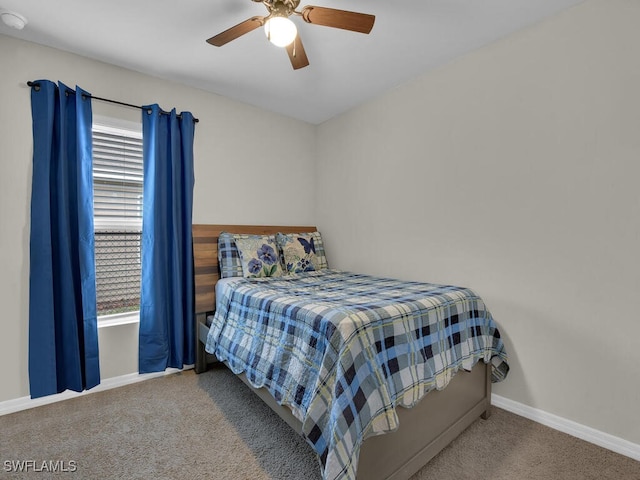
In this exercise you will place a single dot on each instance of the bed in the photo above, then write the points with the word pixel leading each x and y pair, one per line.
pixel 424 429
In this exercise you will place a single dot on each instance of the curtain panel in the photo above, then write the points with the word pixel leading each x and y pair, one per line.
pixel 63 336
pixel 166 336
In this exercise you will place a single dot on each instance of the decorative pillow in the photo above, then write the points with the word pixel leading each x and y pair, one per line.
pixel 302 252
pixel 259 255
pixel 228 256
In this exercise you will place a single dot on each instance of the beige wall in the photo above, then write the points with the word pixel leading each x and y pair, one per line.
pixel 514 171
pixel 231 162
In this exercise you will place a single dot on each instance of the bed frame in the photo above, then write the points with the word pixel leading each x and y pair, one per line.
pixel 424 430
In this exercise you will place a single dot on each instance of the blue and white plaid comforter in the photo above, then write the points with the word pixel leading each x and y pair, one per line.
pixel 343 350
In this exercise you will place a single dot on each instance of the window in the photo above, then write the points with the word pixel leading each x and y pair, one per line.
pixel 117 207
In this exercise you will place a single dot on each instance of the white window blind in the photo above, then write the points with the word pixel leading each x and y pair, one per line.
pixel 117 178
pixel 117 205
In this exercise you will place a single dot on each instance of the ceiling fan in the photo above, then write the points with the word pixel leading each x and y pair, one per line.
pixel 281 31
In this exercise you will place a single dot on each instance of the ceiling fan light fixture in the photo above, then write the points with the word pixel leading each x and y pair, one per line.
pixel 280 31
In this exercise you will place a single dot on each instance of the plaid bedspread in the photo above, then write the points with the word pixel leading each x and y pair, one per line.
pixel 344 349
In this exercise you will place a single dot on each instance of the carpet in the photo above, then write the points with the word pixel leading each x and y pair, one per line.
pixel 211 426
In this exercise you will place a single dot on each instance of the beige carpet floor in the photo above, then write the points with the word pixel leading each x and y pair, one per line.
pixel 211 426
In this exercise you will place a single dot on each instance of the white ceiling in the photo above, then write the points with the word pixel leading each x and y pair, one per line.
pixel 166 38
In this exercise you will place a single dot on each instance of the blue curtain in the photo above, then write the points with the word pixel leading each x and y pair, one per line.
pixel 63 333
pixel 167 336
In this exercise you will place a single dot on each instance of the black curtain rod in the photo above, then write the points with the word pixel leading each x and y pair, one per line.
pixel 36 86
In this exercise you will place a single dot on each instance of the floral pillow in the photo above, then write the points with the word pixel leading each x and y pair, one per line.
pixel 302 252
pixel 258 255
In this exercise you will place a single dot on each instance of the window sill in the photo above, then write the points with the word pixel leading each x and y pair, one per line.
pixel 118 319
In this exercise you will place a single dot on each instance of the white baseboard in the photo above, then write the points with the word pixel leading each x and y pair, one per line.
pixel 570 427
pixel 24 403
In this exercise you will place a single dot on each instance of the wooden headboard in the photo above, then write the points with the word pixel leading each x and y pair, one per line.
pixel 205 256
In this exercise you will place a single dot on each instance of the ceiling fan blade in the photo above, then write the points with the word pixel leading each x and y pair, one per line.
pixel 297 55
pixel 236 31
pixel 330 17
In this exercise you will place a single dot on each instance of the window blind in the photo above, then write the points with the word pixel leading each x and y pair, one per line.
pixel 117 206
pixel 117 179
